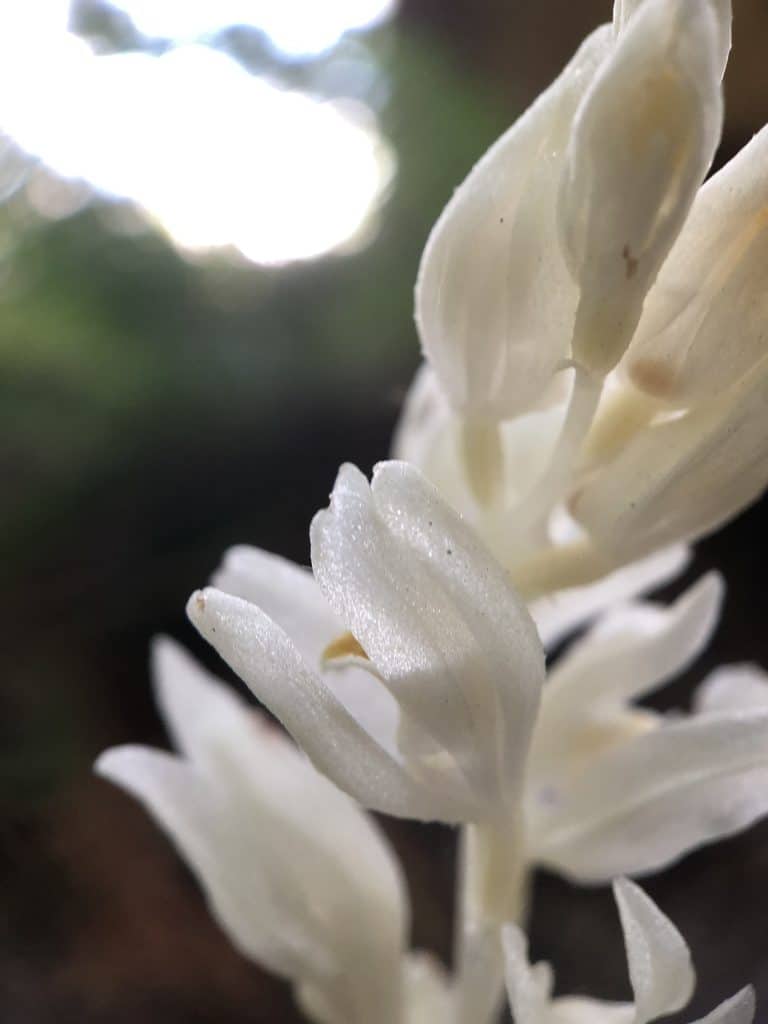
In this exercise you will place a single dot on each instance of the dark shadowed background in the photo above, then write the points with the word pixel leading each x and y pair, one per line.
pixel 159 406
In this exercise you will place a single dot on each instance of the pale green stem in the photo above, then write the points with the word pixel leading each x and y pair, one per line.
pixel 493 890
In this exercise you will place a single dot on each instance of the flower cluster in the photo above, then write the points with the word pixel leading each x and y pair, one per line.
pixel 579 420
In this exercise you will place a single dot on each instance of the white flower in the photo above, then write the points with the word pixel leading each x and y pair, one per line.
pixel 660 971
pixel 407 599
pixel 587 784
pixel 298 877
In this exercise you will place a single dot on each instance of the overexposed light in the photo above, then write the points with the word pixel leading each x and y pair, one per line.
pixel 215 155
pixel 297 27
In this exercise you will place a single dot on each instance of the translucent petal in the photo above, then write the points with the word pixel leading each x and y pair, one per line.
pixel 561 613
pixel 529 987
pixel 659 960
pixel 739 1009
pixel 494 300
pixel 267 661
pixel 290 596
pixel 438 618
pixel 681 478
pixel 642 142
pixel 642 805
pixel 630 653
pixel 733 688
pixel 685 349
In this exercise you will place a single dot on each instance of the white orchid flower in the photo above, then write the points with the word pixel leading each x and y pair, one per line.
pixel 299 878
pixel 408 602
pixel 406 599
pixel 660 971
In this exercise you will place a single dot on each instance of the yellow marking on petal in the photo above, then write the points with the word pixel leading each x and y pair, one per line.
pixel 344 646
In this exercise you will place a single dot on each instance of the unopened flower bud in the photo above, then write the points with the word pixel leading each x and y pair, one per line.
pixel 494 300
pixel 644 137
pixel 704 324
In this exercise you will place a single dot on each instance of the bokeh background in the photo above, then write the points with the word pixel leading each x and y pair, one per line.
pixel 206 307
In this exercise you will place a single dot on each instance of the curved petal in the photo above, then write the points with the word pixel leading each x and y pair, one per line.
pixel 494 300
pixel 647 128
pixel 633 650
pixel 267 661
pixel 715 275
pixel 733 688
pixel 200 826
pixel 529 988
pixel 438 618
pixel 290 596
pixel 680 478
pixel 739 1009
pixel 565 611
pixel 642 805
pixel 628 654
pixel 659 960
pixel 286 592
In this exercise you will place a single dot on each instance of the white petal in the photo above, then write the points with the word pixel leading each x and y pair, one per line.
pixel 630 653
pixel 199 825
pixel 733 688
pixel 659 960
pixel 494 300
pixel 681 478
pixel 437 616
pixel 270 665
pixel 428 993
pixel 716 275
pixel 529 987
pixel 581 1010
pixel 289 595
pixel 644 804
pixel 286 592
pixel 739 1009
pixel 624 9
pixel 643 139
pixel 634 650
pixel 563 612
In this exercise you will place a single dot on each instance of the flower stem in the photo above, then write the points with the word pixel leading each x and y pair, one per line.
pixel 493 889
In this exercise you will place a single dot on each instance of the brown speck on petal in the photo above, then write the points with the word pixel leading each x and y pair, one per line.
pixel 630 263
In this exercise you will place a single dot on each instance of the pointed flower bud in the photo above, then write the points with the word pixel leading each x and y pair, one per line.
pixel 704 324
pixel 494 300
pixel 680 478
pixel 644 137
